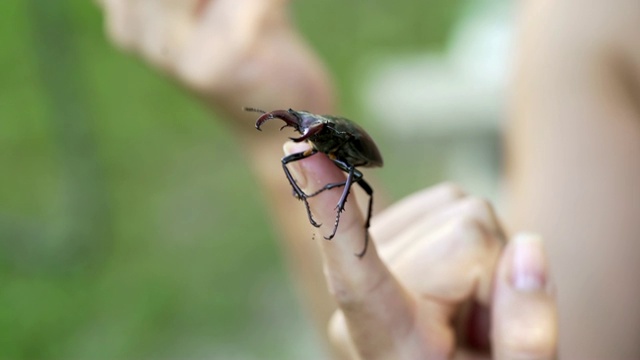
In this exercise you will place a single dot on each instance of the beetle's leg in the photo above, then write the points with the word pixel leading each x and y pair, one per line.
pixel 296 157
pixel 352 176
pixel 353 173
pixel 367 189
pixel 365 186
pixel 344 167
pixel 356 177
pixel 327 187
pixel 297 192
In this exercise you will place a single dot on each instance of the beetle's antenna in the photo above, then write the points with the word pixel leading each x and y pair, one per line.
pixel 250 109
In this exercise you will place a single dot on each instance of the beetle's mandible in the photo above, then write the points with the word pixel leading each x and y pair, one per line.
pixel 346 144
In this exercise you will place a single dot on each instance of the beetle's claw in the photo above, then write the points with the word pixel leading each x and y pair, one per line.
pixel 288 118
pixel 311 220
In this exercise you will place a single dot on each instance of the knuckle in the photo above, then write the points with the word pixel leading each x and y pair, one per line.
pixel 470 237
pixel 351 292
pixel 340 290
pixel 449 190
pixel 481 210
pixel 466 228
pixel 346 299
pixel 477 207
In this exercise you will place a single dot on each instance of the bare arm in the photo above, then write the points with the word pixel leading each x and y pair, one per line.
pixel 574 165
pixel 236 53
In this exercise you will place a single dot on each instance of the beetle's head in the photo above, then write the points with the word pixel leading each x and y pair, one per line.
pixel 300 121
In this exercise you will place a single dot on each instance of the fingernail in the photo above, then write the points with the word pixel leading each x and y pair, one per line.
pixel 529 266
pixel 289 148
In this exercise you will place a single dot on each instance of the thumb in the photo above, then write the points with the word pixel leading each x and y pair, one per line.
pixel 523 311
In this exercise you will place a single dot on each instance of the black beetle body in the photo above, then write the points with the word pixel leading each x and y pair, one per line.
pixel 346 144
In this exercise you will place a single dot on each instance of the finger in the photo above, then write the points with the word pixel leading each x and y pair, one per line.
pixel 376 308
pixel 471 207
pixel 449 259
pixel 397 217
pixel 461 209
pixel 453 261
pixel 523 310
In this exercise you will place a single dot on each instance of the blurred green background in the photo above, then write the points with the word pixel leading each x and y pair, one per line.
pixel 130 227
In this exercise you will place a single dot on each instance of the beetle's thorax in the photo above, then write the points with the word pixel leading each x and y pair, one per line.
pixel 307 121
pixel 328 140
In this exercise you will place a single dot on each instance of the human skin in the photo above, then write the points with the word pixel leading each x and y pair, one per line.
pixel 229 54
pixel 573 164
pixel 434 254
pixel 572 140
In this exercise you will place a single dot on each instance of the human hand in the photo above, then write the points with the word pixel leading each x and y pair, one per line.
pixel 232 53
pixel 438 266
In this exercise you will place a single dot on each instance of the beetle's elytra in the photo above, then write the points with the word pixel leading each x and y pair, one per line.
pixel 346 144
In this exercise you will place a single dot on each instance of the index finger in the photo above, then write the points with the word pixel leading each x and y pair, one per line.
pixel 376 308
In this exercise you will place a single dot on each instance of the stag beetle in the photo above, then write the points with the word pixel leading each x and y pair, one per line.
pixel 346 144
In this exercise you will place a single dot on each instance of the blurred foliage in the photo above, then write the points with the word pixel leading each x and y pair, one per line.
pixel 128 220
